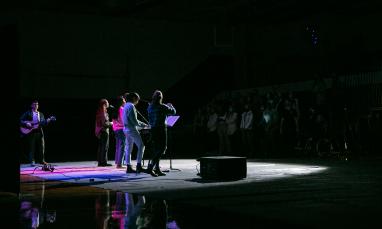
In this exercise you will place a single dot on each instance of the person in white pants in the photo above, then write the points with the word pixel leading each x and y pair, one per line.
pixel 131 125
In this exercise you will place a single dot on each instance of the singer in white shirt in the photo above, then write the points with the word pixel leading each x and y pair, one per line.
pixel 131 125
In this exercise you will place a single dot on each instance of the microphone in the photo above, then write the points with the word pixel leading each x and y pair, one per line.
pixel 147 122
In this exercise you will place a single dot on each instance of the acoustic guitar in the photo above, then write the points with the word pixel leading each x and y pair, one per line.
pixel 34 125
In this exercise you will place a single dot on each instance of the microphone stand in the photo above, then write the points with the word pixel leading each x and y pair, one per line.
pixel 147 122
pixel 170 141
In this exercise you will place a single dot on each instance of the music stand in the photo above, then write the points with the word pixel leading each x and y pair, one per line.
pixel 170 122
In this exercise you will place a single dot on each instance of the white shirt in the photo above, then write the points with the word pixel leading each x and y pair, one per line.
pixel 231 123
pixel 129 118
pixel 212 121
pixel 36 117
pixel 246 120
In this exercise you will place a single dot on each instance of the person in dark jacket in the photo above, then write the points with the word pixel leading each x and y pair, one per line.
pixel 33 121
pixel 157 113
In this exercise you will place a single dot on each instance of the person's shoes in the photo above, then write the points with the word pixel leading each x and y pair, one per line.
pixel 140 169
pixel 33 164
pixel 152 173
pixel 159 173
pixel 129 169
pixel 119 166
pixel 104 164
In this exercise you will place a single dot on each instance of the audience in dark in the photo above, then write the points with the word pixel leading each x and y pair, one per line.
pixel 275 124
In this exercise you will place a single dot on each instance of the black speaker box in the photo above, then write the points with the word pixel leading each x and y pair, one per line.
pixel 223 168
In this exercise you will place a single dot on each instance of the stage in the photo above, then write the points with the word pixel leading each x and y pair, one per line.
pixel 111 178
pixel 303 193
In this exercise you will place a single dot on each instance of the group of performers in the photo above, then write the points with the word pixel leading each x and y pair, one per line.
pixel 126 127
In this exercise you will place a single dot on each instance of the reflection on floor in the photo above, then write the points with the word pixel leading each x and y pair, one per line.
pixel 106 209
pixel 98 208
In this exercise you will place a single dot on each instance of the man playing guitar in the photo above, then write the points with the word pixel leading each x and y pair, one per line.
pixel 31 123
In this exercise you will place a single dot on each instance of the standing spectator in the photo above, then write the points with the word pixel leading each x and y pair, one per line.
pixel 211 130
pixel 271 129
pixel 222 131
pixel 232 133
pixel 260 122
pixel 375 128
pixel 363 134
pixel 199 130
pixel 288 127
pixel 321 133
pixel 295 106
pixel 246 130
pixel 319 90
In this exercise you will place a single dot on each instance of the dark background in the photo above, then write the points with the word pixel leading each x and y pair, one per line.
pixel 70 54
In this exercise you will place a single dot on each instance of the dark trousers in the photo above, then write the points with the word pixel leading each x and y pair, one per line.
pixel 159 141
pixel 247 139
pixel 35 141
pixel 212 142
pixel 103 147
pixel 234 142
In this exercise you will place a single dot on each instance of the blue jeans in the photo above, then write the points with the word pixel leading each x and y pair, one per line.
pixel 134 137
pixel 120 150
